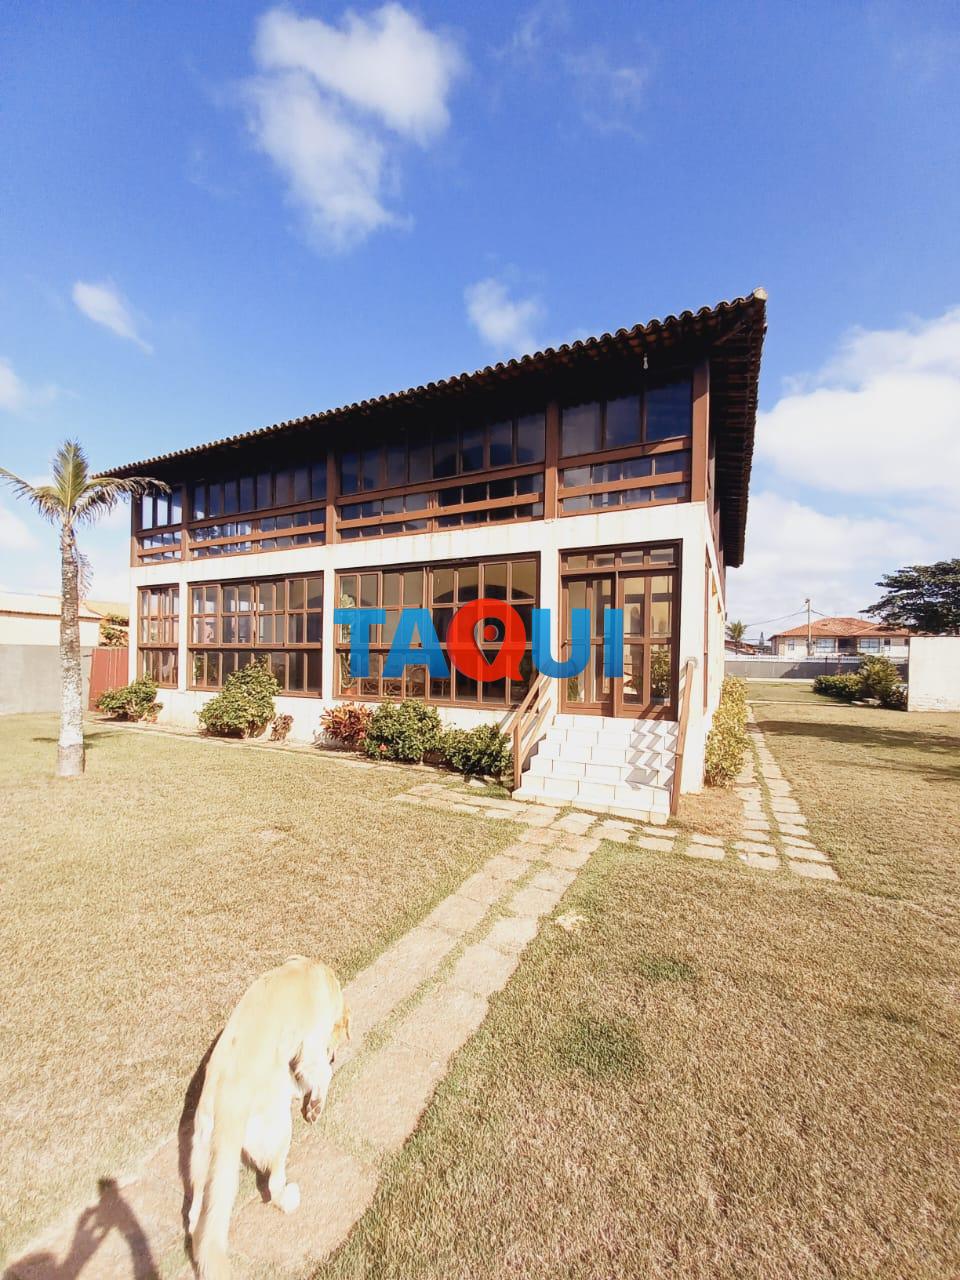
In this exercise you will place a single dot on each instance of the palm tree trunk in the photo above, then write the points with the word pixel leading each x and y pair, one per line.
pixel 70 759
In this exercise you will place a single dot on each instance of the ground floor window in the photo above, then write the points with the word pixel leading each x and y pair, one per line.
pixel 441 588
pixel 276 620
pixel 158 633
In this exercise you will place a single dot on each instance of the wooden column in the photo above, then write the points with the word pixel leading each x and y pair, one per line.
pixel 551 462
pixel 700 458
pixel 330 511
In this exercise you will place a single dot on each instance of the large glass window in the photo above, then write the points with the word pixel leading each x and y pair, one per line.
pixel 276 620
pixel 442 589
pixel 158 633
pixel 158 508
pixel 660 413
pixel 279 487
pixel 444 453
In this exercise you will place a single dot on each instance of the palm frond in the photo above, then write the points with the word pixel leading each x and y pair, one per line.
pixel 44 497
pixel 104 492
pixel 71 473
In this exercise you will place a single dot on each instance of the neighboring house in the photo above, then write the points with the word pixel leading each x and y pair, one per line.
pixel 35 619
pixel 610 473
pixel 841 638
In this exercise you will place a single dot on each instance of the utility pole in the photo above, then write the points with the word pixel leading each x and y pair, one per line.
pixel 809 630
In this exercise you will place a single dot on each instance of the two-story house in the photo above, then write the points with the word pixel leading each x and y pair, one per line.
pixel 612 473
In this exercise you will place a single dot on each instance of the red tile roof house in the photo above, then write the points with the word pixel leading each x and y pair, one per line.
pixel 611 473
pixel 841 638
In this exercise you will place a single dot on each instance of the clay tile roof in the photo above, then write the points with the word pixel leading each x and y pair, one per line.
pixel 845 628
pixel 730 333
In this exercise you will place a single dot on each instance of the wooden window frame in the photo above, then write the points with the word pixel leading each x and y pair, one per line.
pixel 255 648
pixel 380 647
pixel 169 621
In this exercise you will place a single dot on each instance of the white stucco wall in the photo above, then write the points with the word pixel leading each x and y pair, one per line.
pixel 933 677
pixel 684 522
pixel 21 629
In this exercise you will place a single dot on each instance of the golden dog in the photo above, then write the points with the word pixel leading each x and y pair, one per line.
pixel 278 1045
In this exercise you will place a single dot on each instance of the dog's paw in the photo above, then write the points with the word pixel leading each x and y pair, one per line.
pixel 312 1106
pixel 289 1198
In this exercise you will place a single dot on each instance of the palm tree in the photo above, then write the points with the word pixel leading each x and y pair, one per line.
pixel 735 633
pixel 74 498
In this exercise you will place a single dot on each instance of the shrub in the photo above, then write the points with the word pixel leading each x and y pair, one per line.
pixel 895 699
pixel 347 724
pixel 244 706
pixel 846 688
pixel 280 728
pixel 879 678
pixel 483 751
pixel 403 731
pixel 134 701
pixel 727 739
pixel 114 631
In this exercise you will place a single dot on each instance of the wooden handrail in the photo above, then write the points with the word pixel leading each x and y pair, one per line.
pixel 527 717
pixel 688 669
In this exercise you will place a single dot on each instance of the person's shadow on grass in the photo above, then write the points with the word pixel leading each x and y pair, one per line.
pixel 110 1213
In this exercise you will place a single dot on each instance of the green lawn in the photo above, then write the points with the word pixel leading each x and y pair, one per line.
pixel 141 900
pixel 723 1072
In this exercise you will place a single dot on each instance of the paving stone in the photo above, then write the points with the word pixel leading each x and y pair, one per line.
pixel 697 838
pixel 617 835
pixel 709 852
pixel 778 787
pixel 336 1189
pixel 805 854
pixel 383 1100
pixel 481 887
pixel 444 1019
pixel 762 862
pixel 754 831
pixel 568 859
pixel 532 902
pixel 754 846
pixel 502 867
pixel 537 835
pixel 512 933
pixel 457 914
pixel 580 844
pixel 794 828
pixel 483 969
pixel 554 880
pixel 498 815
pixel 575 823
pixel 535 816
pixel 813 870
pixel 654 843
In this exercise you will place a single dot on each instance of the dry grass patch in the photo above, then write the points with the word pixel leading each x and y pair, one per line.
pixel 141 900
pixel 722 1073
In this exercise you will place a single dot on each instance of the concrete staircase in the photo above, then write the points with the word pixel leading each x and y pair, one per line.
pixel 611 765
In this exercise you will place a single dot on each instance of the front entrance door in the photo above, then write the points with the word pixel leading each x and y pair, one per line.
pixel 643 582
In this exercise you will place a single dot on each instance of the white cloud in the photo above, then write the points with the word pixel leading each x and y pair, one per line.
pixel 15 395
pixel 611 92
pixel 794 551
pixel 881 418
pixel 328 99
pixel 14 533
pixel 505 323
pixel 104 305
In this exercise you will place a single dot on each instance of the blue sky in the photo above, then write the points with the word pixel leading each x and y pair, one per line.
pixel 217 216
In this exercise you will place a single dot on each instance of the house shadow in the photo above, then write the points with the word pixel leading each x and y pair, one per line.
pixel 110 1213
pixel 933 746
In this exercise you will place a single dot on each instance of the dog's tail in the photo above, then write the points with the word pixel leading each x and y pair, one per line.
pixel 214 1176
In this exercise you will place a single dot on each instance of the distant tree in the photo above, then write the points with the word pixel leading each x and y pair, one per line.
pixel 74 497
pixel 921 597
pixel 735 633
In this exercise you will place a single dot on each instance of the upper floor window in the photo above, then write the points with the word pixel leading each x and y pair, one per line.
pixel 444 453
pixel 659 413
pixel 260 491
pixel 158 508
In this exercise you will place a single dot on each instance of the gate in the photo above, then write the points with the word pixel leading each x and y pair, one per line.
pixel 108 670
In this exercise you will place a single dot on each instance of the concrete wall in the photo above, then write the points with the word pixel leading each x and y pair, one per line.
pixel 684 522
pixel 30 677
pixel 796 669
pixel 24 628
pixel 934 676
